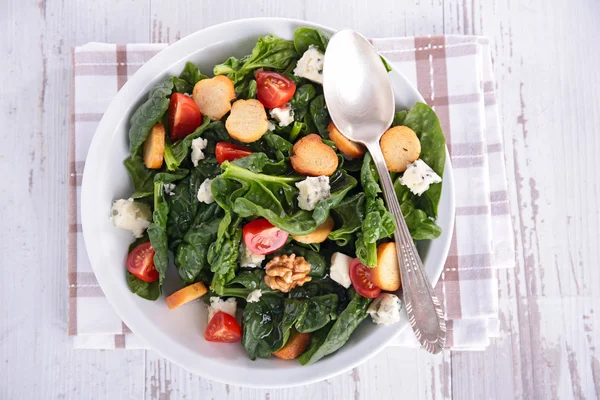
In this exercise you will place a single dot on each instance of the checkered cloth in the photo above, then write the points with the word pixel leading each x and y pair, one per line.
pixel 454 75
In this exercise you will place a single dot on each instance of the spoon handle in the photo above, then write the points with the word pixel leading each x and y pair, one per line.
pixel 424 311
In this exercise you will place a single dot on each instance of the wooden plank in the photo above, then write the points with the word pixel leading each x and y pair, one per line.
pixel 36 355
pixel 547 349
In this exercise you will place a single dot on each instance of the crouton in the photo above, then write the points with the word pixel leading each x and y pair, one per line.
pixel 213 96
pixel 386 274
pixel 295 345
pixel 318 235
pixel 154 147
pixel 348 147
pixel 247 121
pixel 312 157
pixel 400 146
pixel 186 295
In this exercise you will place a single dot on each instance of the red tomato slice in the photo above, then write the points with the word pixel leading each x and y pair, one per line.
pixel 140 262
pixel 184 116
pixel 360 276
pixel 273 89
pixel 229 152
pixel 262 237
pixel 223 328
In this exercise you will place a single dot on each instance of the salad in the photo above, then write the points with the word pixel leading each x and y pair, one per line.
pixel 269 214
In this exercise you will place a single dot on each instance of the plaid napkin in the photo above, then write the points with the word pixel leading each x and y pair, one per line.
pixel 454 75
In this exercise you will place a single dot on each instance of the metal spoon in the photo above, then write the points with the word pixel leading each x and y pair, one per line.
pixel 361 103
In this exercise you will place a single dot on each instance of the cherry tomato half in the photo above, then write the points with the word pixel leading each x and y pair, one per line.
pixel 140 262
pixel 229 152
pixel 360 276
pixel 223 328
pixel 184 116
pixel 273 89
pixel 262 237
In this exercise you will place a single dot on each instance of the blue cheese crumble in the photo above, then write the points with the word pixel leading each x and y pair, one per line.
pixel 312 190
pixel 419 176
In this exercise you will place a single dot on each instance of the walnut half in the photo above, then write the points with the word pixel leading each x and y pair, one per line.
pixel 286 272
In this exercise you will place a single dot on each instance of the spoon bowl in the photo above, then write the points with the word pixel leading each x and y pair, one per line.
pixel 354 75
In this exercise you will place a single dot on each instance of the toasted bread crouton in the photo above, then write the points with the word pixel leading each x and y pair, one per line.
pixel 348 147
pixel 154 147
pixel 295 345
pixel 312 157
pixel 247 121
pixel 386 274
pixel 318 235
pixel 400 146
pixel 213 96
pixel 186 295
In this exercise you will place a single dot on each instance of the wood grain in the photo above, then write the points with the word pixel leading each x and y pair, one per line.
pixel 546 61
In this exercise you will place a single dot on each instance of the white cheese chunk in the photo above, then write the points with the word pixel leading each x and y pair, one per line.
pixel 313 190
pixel 418 176
pixel 228 306
pixel 340 269
pixel 249 259
pixel 254 296
pixel 131 215
pixel 310 66
pixel 271 126
pixel 204 192
pixel 284 115
pixel 385 309
pixel 198 145
pixel 169 188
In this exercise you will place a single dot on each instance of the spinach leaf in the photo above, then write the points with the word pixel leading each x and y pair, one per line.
pixel 318 265
pixel 317 340
pixel 301 100
pixel 423 120
pixel 191 74
pixel 320 310
pixel 304 37
pixel 260 163
pixel 349 214
pixel 320 115
pixel 157 232
pixel 183 206
pixel 378 222
pixel 399 118
pixel 142 177
pixel 340 331
pixel 148 114
pixel 421 227
pixel 272 197
pixel 387 66
pixel 245 282
pixel 223 255
pixel 146 290
pixel 269 52
pixel 246 89
pixel 191 256
pixel 176 152
pixel 262 326
pixel 319 287
pixel 170 177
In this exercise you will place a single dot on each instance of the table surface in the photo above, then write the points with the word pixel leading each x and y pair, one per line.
pixel 548 71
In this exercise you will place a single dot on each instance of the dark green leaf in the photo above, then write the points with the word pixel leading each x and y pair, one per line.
pixel 304 37
pixel 348 215
pixel 177 152
pixel 148 114
pixel 157 232
pixel 191 74
pixel 301 100
pixel 339 333
pixel 146 290
pixel 262 326
pixel 142 177
pixel 320 115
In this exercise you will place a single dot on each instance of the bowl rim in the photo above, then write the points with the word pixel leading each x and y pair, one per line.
pixel 114 116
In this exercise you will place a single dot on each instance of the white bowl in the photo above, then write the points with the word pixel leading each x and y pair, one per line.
pixel 178 334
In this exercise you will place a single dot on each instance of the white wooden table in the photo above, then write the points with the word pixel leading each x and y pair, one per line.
pixel 547 62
